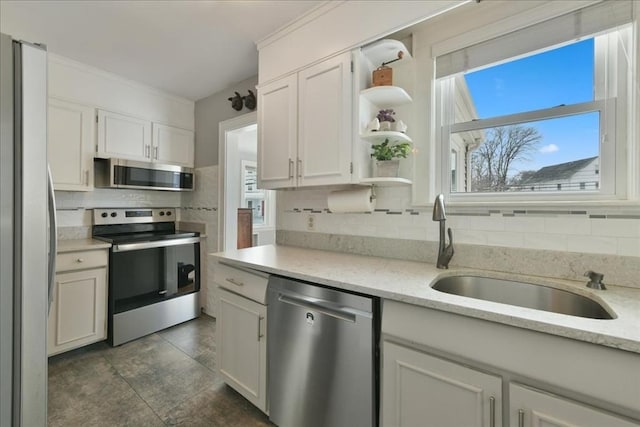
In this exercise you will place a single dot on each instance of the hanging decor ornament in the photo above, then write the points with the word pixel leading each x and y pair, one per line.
pixel 236 102
pixel 250 101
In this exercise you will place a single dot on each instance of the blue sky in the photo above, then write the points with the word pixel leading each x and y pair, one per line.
pixel 559 76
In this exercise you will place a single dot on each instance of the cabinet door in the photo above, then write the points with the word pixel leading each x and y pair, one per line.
pixel 172 145
pixel 78 311
pixel 71 145
pixel 242 346
pixel 277 133
pixel 532 408
pixel 123 136
pixel 422 390
pixel 325 102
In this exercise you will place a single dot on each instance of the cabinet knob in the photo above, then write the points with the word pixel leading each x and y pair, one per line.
pixel 80 260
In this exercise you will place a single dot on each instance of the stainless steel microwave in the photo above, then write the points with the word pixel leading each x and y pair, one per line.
pixel 121 173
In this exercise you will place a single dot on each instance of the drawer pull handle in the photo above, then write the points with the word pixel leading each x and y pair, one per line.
pixel 234 282
pixel 80 260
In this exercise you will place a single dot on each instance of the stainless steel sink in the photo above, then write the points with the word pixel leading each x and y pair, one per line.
pixel 523 294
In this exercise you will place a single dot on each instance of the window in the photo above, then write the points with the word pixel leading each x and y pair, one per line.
pixel 253 198
pixel 532 113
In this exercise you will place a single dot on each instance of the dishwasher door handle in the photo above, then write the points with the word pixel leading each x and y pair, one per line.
pixel 319 306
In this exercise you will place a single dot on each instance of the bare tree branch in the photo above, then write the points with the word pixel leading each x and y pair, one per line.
pixel 492 160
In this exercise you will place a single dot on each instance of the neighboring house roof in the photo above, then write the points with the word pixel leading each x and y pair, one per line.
pixel 560 171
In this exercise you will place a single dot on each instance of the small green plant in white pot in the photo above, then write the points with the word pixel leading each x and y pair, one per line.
pixel 386 157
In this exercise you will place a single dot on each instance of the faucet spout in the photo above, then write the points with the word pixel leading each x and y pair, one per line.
pixel 445 251
pixel 438 209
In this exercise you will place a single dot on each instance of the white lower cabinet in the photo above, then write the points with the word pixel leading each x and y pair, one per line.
pixel 78 314
pixel 242 346
pixel 578 384
pixel 532 408
pixel 422 390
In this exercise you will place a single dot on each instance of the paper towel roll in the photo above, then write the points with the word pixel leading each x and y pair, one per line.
pixel 360 200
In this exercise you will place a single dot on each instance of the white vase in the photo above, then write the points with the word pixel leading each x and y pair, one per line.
pixel 385 168
pixel 399 126
pixel 385 126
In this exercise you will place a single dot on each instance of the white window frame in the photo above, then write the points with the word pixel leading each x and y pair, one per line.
pixel 269 199
pixel 616 125
pixel 608 150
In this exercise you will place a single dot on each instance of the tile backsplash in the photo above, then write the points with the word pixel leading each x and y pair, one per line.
pixel 607 231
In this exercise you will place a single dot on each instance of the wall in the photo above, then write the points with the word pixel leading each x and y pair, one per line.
pixel 212 110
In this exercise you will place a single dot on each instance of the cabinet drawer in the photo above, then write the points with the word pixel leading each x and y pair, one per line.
pixel 248 283
pixel 81 260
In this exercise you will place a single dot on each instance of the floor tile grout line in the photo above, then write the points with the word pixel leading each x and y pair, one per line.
pixel 189 356
pixel 134 390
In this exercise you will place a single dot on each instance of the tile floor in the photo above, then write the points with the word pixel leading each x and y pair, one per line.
pixel 164 379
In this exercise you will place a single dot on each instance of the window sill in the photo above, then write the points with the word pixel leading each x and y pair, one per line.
pixel 546 204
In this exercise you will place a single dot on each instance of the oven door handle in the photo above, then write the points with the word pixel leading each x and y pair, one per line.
pixel 155 244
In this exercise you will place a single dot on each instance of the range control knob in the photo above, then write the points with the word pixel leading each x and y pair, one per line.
pixel 104 215
pixel 114 214
pixel 161 213
pixel 168 213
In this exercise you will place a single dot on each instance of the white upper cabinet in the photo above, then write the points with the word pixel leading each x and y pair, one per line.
pixel 173 145
pixel 324 122
pixel 132 138
pixel 123 136
pixel 305 127
pixel 277 133
pixel 71 145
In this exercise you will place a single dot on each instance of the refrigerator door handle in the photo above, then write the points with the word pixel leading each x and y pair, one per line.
pixel 53 238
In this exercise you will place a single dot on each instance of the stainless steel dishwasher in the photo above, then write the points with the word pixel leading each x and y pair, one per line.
pixel 323 356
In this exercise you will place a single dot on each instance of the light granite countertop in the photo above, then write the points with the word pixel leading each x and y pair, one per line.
pixel 72 245
pixel 409 282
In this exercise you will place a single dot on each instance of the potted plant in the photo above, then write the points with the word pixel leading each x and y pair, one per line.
pixel 386 118
pixel 386 157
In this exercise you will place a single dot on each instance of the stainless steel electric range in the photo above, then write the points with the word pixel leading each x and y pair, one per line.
pixel 154 271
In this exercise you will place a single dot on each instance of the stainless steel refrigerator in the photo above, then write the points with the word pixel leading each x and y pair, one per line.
pixel 26 246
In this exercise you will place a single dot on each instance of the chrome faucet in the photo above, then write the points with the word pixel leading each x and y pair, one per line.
pixel 445 252
pixel 595 280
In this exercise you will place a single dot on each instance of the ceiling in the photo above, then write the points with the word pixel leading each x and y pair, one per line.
pixel 187 48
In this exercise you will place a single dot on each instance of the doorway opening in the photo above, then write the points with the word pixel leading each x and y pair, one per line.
pixel 239 193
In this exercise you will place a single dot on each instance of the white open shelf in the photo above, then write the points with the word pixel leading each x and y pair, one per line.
pixel 387 96
pixel 379 136
pixel 384 51
pixel 386 181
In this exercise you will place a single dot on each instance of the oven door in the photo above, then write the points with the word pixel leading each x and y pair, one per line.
pixel 145 273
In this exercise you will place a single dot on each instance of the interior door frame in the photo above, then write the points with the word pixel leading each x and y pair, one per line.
pixel 224 128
